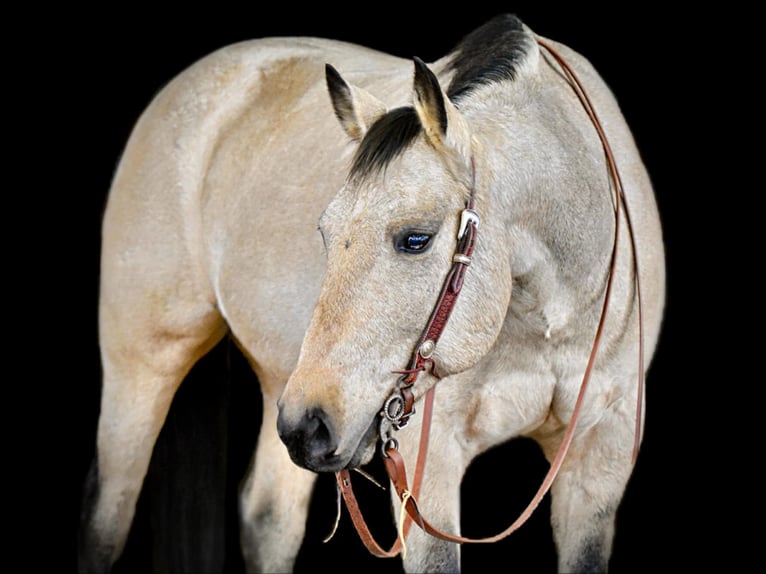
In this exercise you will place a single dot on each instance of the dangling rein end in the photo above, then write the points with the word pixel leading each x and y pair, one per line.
pixel 338 498
pixel 337 518
pixel 406 495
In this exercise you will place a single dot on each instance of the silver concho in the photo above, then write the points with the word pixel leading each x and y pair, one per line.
pixel 427 348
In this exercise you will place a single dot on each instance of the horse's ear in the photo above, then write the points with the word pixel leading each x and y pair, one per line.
pixel 356 108
pixel 444 125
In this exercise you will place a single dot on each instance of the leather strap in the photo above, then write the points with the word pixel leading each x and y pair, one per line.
pixel 393 460
pixel 420 359
pixel 343 479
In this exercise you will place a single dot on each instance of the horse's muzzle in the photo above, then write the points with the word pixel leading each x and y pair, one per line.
pixel 311 440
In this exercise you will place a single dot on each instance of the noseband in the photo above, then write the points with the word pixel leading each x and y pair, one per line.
pixel 398 408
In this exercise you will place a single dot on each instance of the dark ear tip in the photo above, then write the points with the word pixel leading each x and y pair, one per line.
pixel 421 69
pixel 333 77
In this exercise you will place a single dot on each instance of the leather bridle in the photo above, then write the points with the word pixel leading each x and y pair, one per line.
pixel 398 407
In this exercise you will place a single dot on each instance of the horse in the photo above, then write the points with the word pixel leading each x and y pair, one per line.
pixel 323 204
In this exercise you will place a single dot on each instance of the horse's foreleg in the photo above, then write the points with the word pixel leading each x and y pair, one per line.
pixel 274 500
pixel 587 492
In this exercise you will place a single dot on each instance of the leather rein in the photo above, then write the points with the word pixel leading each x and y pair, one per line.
pixel 398 407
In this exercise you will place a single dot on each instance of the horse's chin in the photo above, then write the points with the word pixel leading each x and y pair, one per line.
pixel 364 452
pixel 366 447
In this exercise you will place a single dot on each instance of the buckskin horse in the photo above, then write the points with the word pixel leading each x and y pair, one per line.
pixel 419 261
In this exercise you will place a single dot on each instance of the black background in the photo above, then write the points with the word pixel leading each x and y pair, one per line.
pixel 671 515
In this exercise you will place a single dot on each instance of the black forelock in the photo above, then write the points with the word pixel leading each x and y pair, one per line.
pixel 391 134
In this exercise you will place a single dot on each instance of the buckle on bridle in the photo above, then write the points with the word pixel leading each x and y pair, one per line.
pixel 467 216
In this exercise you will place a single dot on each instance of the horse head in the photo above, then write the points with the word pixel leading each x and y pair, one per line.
pixel 390 236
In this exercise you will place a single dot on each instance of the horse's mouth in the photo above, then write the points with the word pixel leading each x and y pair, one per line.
pixel 366 448
pixel 335 461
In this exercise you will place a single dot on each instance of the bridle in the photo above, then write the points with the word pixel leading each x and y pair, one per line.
pixel 398 408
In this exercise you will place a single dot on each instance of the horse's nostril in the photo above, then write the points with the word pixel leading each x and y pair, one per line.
pixel 310 440
pixel 317 427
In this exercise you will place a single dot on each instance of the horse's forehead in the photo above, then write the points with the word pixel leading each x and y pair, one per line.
pixel 413 184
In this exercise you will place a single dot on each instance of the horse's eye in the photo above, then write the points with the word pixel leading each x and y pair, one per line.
pixel 413 242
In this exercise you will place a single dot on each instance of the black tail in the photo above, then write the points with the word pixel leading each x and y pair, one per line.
pixel 183 519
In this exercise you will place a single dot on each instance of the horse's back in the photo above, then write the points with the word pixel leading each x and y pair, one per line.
pixel 210 228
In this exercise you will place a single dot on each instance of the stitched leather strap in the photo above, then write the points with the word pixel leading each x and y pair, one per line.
pixel 420 359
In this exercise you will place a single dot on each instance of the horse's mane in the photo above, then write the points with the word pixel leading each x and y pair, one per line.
pixel 491 53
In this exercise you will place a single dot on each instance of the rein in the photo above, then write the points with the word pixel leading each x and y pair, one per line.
pixel 398 407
